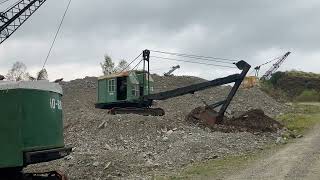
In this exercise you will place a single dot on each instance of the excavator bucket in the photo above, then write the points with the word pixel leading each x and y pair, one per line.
pixel 204 117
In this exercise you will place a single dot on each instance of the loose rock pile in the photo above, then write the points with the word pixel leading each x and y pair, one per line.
pixel 135 147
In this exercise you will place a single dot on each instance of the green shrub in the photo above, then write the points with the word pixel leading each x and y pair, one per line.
pixel 301 74
pixel 276 93
pixel 276 77
pixel 309 96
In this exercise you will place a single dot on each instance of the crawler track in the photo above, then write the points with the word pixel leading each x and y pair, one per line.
pixel 13 174
pixel 140 111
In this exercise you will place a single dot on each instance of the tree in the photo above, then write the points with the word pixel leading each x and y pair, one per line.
pixel 276 77
pixel 107 66
pixel 18 72
pixel 42 75
pixel 122 66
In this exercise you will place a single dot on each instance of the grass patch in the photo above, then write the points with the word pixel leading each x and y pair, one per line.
pixel 302 74
pixel 211 168
pixel 309 95
pixel 218 168
pixel 303 117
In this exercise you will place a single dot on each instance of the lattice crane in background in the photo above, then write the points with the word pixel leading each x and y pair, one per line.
pixel 13 17
pixel 274 67
pixel 251 81
pixel 169 73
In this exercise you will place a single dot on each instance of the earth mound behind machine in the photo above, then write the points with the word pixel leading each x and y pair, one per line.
pixel 142 97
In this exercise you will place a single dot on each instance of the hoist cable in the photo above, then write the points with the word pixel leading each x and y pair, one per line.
pixel 131 63
pixel 137 65
pixel 206 59
pixel 258 67
pixel 56 35
pixel 194 56
pixel 270 61
pixel 252 72
pixel 210 60
pixel 172 59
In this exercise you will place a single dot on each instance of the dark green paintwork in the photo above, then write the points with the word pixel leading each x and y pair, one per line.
pixel 28 123
pixel 104 96
pixel 102 91
pixel 151 83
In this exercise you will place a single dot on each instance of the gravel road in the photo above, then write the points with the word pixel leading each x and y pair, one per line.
pixel 300 160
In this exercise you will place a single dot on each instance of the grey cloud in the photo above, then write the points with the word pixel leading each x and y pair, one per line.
pixel 231 29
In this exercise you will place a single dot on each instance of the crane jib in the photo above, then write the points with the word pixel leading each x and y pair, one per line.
pixel 16 15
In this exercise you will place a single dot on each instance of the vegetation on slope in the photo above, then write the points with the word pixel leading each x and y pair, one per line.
pixel 294 86
pixel 303 117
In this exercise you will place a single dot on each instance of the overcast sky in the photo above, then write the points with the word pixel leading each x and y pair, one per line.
pixel 255 31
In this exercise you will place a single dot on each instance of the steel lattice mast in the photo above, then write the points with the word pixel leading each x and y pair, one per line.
pixel 275 67
pixel 12 18
pixel 172 70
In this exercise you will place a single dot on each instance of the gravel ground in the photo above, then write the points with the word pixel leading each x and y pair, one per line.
pixel 136 147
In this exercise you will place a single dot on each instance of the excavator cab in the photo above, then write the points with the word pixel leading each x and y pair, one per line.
pixel 123 89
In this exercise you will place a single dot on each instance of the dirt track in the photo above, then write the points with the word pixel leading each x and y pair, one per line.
pixel 300 160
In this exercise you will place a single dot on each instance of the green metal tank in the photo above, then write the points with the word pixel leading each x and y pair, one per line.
pixel 31 123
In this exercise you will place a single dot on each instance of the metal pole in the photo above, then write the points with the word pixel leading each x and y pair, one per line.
pixel 143 75
pixel 148 76
pixel 146 57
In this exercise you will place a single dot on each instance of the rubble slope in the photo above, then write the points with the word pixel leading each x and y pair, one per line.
pixel 134 147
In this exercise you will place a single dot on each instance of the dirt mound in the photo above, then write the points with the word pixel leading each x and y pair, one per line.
pixel 254 121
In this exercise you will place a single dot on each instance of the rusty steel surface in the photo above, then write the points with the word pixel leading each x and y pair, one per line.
pixel 208 117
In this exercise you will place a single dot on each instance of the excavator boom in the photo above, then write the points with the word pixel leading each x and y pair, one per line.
pixel 192 88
